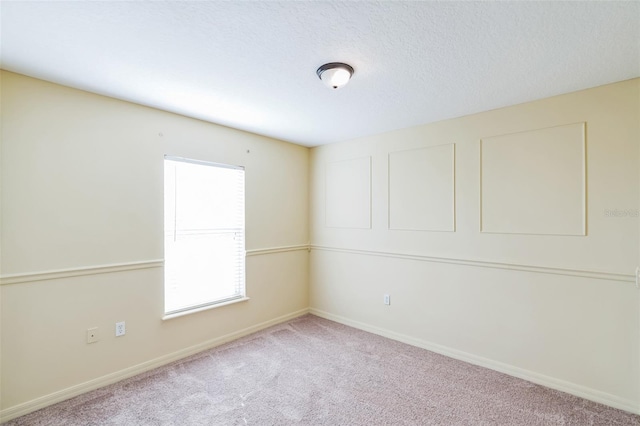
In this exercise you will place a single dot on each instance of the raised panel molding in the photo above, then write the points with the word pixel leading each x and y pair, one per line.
pixel 422 189
pixel 534 182
pixel 348 193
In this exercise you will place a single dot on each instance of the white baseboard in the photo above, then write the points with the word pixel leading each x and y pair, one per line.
pixel 541 379
pixel 61 395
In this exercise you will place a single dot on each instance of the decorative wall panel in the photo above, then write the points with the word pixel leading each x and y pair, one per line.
pixel 534 182
pixel 422 189
pixel 348 193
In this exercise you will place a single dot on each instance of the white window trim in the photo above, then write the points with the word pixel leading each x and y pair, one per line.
pixel 218 303
pixel 204 308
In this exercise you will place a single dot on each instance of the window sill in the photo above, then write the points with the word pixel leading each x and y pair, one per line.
pixel 203 308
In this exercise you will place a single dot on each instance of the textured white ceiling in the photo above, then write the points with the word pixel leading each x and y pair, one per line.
pixel 251 65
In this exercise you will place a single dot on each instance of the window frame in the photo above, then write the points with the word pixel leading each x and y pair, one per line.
pixel 198 307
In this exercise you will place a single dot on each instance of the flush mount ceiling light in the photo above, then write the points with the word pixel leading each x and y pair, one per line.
pixel 335 74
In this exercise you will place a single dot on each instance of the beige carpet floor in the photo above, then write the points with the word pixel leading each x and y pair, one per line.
pixel 310 371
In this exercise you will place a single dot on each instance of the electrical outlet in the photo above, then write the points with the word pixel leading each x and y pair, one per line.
pixel 92 335
pixel 120 329
pixel 387 299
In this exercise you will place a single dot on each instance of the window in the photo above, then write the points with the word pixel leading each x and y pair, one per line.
pixel 203 234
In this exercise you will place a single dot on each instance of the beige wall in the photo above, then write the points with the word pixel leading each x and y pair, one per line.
pixel 82 188
pixel 487 259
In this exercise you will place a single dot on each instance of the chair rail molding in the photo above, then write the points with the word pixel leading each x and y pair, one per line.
pixel 601 275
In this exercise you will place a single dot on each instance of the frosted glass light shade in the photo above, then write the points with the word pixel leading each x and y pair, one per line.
pixel 335 74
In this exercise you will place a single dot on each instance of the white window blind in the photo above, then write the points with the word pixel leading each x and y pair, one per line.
pixel 204 234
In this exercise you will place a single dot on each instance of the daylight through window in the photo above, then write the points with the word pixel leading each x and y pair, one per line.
pixel 203 234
